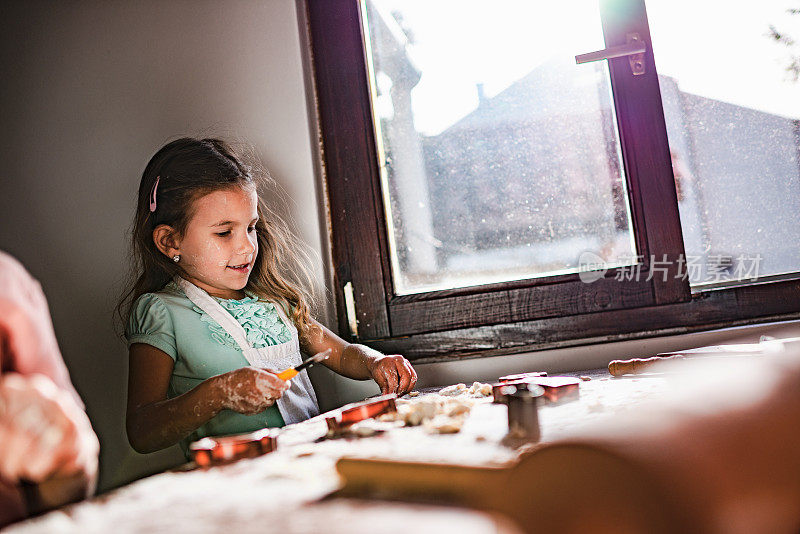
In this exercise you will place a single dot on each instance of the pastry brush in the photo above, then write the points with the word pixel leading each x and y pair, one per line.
pixel 288 374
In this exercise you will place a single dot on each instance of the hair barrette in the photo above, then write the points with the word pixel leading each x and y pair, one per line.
pixel 153 195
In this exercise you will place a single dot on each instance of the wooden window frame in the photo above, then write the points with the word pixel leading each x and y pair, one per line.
pixel 521 315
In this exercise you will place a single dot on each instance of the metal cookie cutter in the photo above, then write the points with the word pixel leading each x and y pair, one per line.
pixel 523 412
pixel 353 413
pixel 222 450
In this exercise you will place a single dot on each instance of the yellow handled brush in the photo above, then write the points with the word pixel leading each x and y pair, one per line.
pixel 288 374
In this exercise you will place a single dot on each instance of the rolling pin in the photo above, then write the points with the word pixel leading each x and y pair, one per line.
pixel 731 467
pixel 559 488
pixel 765 346
pixel 638 365
pixel 643 365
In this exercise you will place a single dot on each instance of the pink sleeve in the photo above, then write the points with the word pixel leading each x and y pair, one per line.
pixel 27 340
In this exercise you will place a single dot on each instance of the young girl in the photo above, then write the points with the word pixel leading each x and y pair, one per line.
pixel 217 308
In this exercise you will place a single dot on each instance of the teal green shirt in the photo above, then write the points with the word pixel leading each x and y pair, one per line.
pixel 201 348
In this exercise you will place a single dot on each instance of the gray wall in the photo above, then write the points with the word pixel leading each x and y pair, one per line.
pixel 90 91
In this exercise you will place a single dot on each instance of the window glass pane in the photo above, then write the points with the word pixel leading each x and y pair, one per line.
pixel 732 104
pixel 500 156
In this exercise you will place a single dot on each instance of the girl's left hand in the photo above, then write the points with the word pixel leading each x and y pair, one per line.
pixel 393 373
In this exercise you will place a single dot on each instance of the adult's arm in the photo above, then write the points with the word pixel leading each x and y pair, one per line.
pixel 28 343
pixel 48 451
pixel 33 375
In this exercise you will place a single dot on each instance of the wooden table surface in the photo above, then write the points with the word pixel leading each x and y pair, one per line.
pixel 285 491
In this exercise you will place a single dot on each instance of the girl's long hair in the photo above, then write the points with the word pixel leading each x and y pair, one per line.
pixel 187 169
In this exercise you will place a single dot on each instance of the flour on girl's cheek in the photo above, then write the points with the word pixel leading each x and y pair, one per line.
pixel 213 250
pixel 205 262
pixel 219 236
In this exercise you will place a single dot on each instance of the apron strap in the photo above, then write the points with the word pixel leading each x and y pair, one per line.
pixel 214 309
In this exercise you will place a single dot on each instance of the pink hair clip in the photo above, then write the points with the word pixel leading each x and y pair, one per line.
pixel 153 195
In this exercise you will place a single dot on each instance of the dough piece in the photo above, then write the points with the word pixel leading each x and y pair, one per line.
pixel 391 416
pixel 413 393
pixel 479 389
pixel 458 409
pixel 452 391
pixel 416 413
pixel 445 425
pixel 363 431
pixel 596 407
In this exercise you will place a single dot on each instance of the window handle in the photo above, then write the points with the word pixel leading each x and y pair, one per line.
pixel 634 49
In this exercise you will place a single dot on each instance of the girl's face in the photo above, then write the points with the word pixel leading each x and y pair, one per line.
pixel 219 246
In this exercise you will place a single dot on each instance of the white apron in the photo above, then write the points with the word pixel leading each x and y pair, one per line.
pixel 297 403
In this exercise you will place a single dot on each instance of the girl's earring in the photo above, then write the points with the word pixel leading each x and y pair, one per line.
pixel 176 258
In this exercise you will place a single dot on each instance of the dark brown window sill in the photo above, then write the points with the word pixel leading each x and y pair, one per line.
pixel 708 310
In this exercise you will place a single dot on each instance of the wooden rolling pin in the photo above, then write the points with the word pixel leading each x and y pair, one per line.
pixel 764 346
pixel 704 472
pixel 638 365
pixel 559 488
pixel 741 350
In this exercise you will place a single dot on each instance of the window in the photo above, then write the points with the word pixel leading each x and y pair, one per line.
pixel 487 194
pixel 732 126
pixel 499 159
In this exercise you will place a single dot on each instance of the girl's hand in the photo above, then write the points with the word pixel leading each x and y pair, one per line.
pixel 249 390
pixel 393 373
pixel 43 432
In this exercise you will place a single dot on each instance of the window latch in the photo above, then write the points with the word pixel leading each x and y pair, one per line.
pixel 350 309
pixel 634 49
